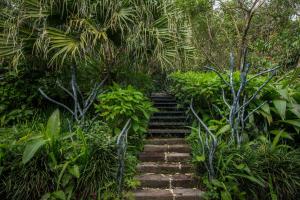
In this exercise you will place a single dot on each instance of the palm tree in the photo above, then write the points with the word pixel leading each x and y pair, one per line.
pixel 65 32
pixel 108 33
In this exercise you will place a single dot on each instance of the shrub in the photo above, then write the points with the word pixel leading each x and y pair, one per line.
pixel 260 169
pixel 43 161
pixel 281 110
pixel 119 105
pixel 207 87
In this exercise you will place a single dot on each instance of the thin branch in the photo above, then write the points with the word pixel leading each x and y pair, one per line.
pixel 224 99
pixel 219 110
pixel 76 106
pixel 264 72
pixel 261 105
pixel 218 73
pixel 96 88
pixel 202 123
pixel 65 89
pixel 54 101
pixel 257 91
pixel 231 76
pixel 93 95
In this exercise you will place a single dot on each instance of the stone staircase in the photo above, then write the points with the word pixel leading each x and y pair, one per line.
pixel 164 170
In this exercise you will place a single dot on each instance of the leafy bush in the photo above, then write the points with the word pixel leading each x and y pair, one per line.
pixel 19 96
pixel 207 86
pixel 280 111
pixel 264 166
pixel 119 105
pixel 44 161
pixel 260 169
pixel 15 99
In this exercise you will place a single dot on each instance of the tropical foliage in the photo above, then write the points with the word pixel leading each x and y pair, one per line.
pixel 270 137
pixel 100 59
pixel 109 32
pixel 119 105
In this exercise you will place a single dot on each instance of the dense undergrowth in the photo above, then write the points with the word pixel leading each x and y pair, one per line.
pixel 66 49
pixel 266 165
pixel 59 160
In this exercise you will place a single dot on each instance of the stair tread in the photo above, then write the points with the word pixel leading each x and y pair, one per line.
pixel 169 117
pixel 162 167
pixel 163 99
pixel 167 124
pixel 165 177
pixel 175 130
pixel 166 141
pixel 170 112
pixel 180 148
pixel 168 194
pixel 170 164
pixel 152 180
pixel 168 108
pixel 160 94
pixel 168 153
pixel 166 145
pixel 164 156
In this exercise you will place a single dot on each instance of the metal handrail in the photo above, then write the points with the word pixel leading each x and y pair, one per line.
pixel 121 149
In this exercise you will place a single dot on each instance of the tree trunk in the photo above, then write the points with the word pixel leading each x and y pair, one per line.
pixel 243 42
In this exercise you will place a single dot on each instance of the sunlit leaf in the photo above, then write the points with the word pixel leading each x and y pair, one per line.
pixel 280 106
pixel 31 149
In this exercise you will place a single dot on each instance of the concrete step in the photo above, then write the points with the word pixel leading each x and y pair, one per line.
pixel 180 148
pixel 166 180
pixel 158 124
pixel 169 113
pixel 164 157
pixel 161 141
pixel 160 167
pixel 163 99
pixel 170 118
pixel 165 108
pixel 167 194
pixel 160 94
pixel 165 104
pixel 161 132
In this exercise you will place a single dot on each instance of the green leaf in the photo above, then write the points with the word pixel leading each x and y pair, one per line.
pixel 284 93
pixel 276 140
pixel 53 125
pixel 280 106
pixel 135 126
pixel 282 133
pixel 266 108
pixel 218 183
pixel 251 178
pixel 240 166
pixel 59 195
pixel 75 171
pixel 31 148
pixel 225 195
pixel 135 118
pixel 224 129
pixel 295 109
pixel 295 122
pixel 46 196
pixel 200 158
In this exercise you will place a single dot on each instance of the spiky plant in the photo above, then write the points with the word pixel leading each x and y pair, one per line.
pixel 64 32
